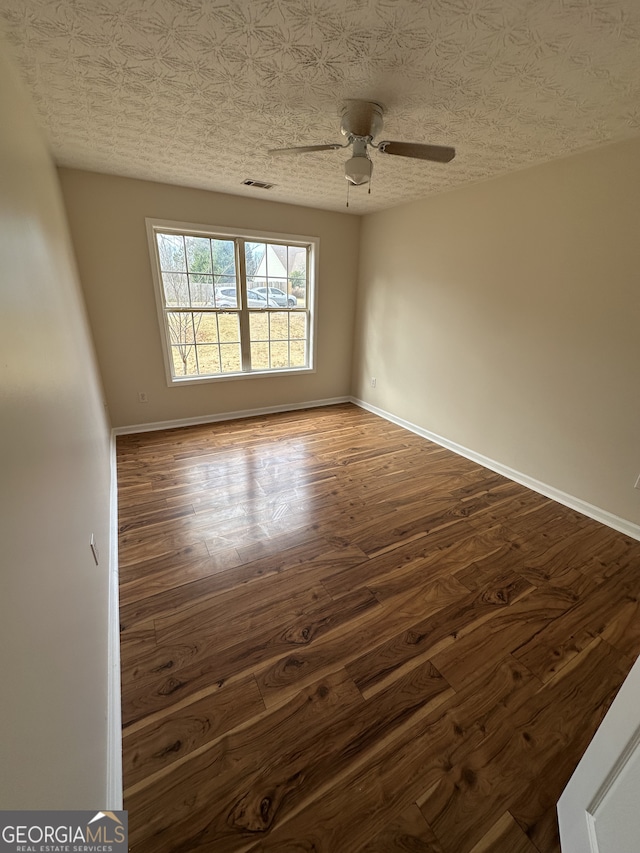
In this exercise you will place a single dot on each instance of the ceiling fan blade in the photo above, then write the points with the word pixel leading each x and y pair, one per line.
pixel 436 153
pixel 305 149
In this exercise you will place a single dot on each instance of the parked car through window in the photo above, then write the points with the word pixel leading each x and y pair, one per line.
pixel 275 296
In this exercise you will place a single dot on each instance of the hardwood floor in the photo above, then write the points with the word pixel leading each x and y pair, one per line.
pixel 338 637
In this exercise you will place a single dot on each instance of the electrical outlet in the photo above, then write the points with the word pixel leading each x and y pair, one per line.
pixel 142 397
pixel 373 381
pixel 94 550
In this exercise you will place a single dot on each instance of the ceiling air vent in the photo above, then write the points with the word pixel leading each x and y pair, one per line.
pixel 261 185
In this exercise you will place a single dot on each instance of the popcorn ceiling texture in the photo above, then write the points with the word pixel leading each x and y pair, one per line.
pixel 195 93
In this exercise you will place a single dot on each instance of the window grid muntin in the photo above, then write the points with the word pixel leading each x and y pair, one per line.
pixel 269 339
pixel 186 271
pixel 281 282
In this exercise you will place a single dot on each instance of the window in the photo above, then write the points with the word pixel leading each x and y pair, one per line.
pixel 232 304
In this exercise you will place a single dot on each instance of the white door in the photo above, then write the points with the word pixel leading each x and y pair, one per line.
pixel 599 810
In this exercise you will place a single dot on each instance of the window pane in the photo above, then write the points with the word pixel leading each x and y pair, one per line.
pixel 260 356
pixel 296 260
pixel 279 326
pixel 198 254
pixel 226 297
pixel 207 332
pixel 258 327
pixel 176 289
pixel 229 327
pixel 280 354
pixel 181 327
pixel 255 299
pixel 197 317
pixel 171 251
pixel 208 359
pixel 255 258
pixel 276 266
pixel 201 288
pixel 298 354
pixel 297 325
pixel 224 257
pixel 231 358
pixel 199 294
pixel 225 281
pixel 297 273
pixel 298 288
pixel 184 361
pixel 256 282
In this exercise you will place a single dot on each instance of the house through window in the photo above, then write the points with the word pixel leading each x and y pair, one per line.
pixel 232 304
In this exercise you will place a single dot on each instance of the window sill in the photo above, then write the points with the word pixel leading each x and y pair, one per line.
pixel 180 381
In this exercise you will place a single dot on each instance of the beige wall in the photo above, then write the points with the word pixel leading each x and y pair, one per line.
pixel 506 317
pixel 54 492
pixel 107 221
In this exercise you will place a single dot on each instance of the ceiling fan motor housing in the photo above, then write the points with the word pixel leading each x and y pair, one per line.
pixel 361 118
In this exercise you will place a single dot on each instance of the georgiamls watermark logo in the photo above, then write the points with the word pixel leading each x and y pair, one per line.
pixel 63 832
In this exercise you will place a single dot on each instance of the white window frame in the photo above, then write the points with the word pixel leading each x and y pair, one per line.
pixel 155 226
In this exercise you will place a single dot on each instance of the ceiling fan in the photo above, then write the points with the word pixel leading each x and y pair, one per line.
pixel 361 122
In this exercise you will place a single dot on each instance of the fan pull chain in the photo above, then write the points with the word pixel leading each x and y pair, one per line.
pixel 348 186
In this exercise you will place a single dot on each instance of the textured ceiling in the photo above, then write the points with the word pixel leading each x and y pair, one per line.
pixel 195 92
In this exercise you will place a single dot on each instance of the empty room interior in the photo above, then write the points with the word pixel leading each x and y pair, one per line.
pixel 320 418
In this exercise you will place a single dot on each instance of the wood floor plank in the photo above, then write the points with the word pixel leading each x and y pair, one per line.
pixel 200 795
pixel 154 517
pixel 135 548
pixel 509 629
pixel 338 636
pixel 408 833
pixel 294 558
pixel 158 580
pixel 523 737
pixel 373 535
pixel 484 570
pixel 137 641
pixel 170 673
pixel 346 741
pixel 409 557
pixel 390 780
pixel 542 829
pixel 147 567
pixel 427 637
pixel 441 563
pixel 489 506
pixel 292 671
pixel 623 628
pixel 206 617
pixel 558 642
pixel 148 749
pixel 545 525
pixel 535 810
pixel 504 835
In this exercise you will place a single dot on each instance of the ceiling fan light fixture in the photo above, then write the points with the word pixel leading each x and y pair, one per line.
pixel 358 170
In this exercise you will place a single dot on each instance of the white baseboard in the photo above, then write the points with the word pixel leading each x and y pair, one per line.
pixel 114 707
pixel 622 525
pixel 228 416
